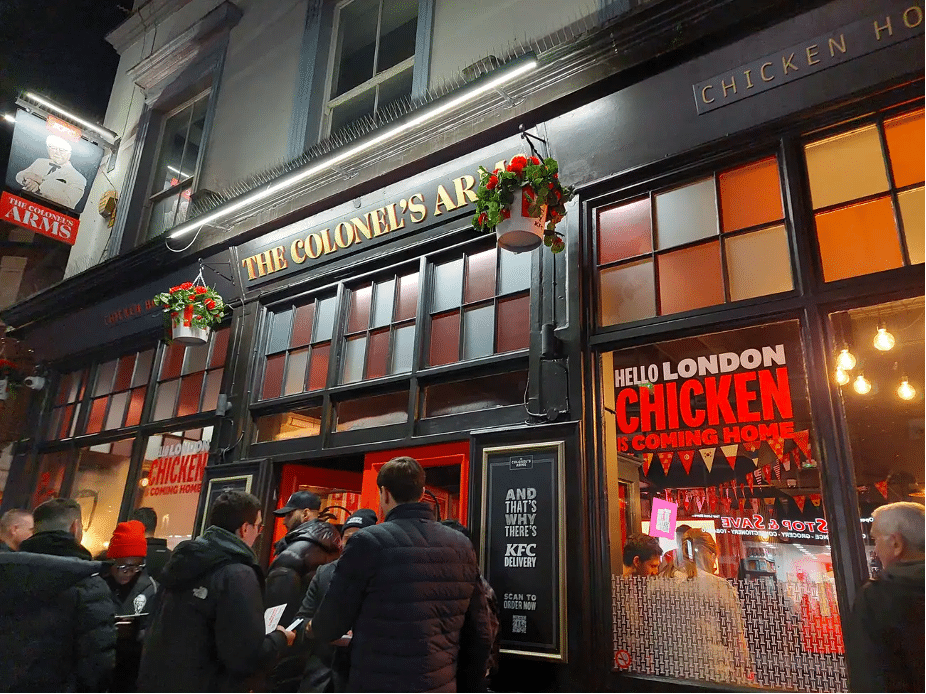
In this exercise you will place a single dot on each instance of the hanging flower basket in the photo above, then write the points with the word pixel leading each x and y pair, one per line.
pixel 191 310
pixel 524 203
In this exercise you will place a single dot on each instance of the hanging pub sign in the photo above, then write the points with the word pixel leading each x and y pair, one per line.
pixel 523 546
pixel 42 220
pixel 50 160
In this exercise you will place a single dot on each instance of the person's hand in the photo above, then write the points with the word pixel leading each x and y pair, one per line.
pixel 308 629
pixel 31 182
pixel 290 635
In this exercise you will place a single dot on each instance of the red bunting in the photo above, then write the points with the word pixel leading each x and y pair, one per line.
pixel 800 501
pixel 687 457
pixel 786 461
pixel 647 459
pixel 729 453
pixel 815 499
pixel 749 480
pixel 767 472
pixel 802 439
pixel 778 447
pixel 666 460
pixel 751 446
pixel 882 487
pixel 742 504
pixel 777 468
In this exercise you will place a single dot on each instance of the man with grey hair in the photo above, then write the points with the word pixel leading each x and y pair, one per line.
pixel 54 178
pixel 15 526
pixel 885 647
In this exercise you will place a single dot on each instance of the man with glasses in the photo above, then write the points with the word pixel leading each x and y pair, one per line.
pixel 207 629
pixel 132 591
pixel 57 631
pixel 54 178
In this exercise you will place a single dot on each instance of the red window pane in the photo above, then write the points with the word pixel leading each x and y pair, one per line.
pixel 173 360
pixel 220 348
pixel 480 276
pixel 377 354
pixel 66 414
pixel 407 298
pixel 624 231
pixel 124 373
pixel 513 324
pixel 690 278
pixel 64 388
pixel 97 411
pixel 359 318
pixel 273 377
pixel 318 368
pixel 212 390
pixel 302 326
pixel 445 339
pixel 136 403
pixel 190 389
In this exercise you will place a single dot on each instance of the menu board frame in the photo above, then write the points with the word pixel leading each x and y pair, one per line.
pixel 551 458
pixel 217 485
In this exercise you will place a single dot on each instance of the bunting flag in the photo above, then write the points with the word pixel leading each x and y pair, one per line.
pixel 815 499
pixel 751 446
pixel 802 439
pixel 742 504
pixel 777 469
pixel 687 457
pixel 769 500
pixel 749 480
pixel 666 460
pixel 757 474
pixel 699 500
pixel 647 459
pixel 882 487
pixel 707 455
pixel 767 472
pixel 777 446
pixel 729 453
pixel 670 496
pixel 743 490
pixel 800 501
pixel 786 461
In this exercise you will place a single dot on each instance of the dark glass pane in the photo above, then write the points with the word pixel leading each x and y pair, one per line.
pixel 403 349
pixel 66 414
pixel 514 272
pixel 378 354
pixel 353 358
pixel 397 35
pixel 165 404
pixel 408 297
pixel 213 388
pixel 383 300
pixel 356 39
pixel 143 368
pixel 480 276
pixel 513 326
pixel 124 373
pixel 318 368
pixel 116 410
pixel 219 348
pixel 273 377
pixel 445 339
pixel 196 359
pixel 295 371
pixel 97 412
pixel 472 394
pixel 136 403
pixel 190 389
pixel 302 326
pixel 359 317
pixel 372 411
pixel 478 332
pixel 446 290
pixel 280 330
pixel 324 323
pixel 64 388
pixel 54 422
pixel 104 378
pixel 173 360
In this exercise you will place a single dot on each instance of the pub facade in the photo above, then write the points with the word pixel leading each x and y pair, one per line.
pixel 708 351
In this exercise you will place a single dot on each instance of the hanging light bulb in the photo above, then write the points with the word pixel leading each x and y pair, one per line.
pixel 842 377
pixel 883 341
pixel 845 360
pixel 905 391
pixel 862 385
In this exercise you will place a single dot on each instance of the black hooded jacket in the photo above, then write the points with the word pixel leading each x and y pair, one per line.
pixel 411 591
pixel 57 631
pixel 207 630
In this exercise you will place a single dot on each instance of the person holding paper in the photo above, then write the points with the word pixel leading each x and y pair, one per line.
pixel 207 631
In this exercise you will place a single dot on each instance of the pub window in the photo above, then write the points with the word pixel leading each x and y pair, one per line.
pixel 292 424
pixel 372 59
pixel 882 401
pixel 866 188
pixel 371 411
pixel 479 305
pixel 191 377
pixel 474 394
pixel 380 335
pixel 694 246
pixel 119 392
pixel 67 404
pixel 298 348
pixel 720 464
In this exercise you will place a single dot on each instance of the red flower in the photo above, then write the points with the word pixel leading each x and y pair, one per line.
pixel 557 194
pixel 210 304
pixel 535 161
pixel 174 314
pixel 174 289
pixel 186 285
pixel 482 219
pixel 517 165
pixel 200 290
pixel 492 182
pixel 506 214
pixel 550 185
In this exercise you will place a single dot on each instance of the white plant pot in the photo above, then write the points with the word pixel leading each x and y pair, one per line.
pixel 190 336
pixel 520 232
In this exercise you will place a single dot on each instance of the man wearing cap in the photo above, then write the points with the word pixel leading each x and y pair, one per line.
pixel 308 544
pixel 329 665
pixel 54 178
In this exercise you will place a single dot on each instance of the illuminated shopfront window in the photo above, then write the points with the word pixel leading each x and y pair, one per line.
pixel 714 432
pixel 885 421
pixel 98 487
pixel 299 347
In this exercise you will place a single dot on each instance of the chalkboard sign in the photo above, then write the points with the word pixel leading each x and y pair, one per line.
pixel 239 483
pixel 522 545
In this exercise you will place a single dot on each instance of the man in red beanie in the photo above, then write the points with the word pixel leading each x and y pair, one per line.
pixel 132 592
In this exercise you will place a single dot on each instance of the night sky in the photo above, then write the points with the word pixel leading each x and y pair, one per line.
pixel 57 49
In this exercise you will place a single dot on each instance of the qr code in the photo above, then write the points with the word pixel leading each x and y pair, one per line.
pixel 519 624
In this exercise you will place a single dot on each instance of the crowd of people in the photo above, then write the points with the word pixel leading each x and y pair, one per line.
pixel 397 605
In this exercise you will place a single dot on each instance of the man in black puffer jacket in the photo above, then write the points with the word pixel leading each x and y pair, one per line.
pixel 207 629
pixel 410 590
pixel 309 544
pixel 57 627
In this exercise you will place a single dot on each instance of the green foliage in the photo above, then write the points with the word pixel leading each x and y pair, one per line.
pixel 208 305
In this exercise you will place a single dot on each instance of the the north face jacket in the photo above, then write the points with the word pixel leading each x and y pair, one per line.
pixel 207 630
pixel 410 589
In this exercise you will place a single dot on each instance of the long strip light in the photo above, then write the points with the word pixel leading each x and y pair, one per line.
pixel 108 134
pixel 296 176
